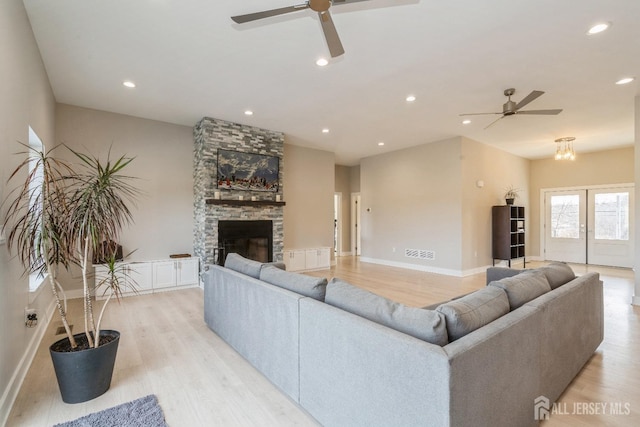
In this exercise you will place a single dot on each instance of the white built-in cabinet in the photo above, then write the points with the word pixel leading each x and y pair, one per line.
pixel 307 259
pixel 151 276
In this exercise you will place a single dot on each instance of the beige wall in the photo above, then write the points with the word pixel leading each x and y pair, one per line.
pixel 343 186
pixel 309 186
pixel 428 197
pixel 163 164
pixel 598 168
pixel 497 170
pixel 26 99
pixel 411 200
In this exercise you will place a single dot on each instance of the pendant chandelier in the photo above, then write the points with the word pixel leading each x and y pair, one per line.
pixel 564 148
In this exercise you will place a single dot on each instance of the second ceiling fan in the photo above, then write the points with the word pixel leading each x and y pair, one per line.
pixel 319 6
pixel 510 108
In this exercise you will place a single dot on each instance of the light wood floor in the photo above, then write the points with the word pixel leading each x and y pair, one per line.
pixel 167 350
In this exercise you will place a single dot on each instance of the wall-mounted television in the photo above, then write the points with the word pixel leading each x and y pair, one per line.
pixel 247 171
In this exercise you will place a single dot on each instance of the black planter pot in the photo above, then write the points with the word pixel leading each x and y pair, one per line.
pixel 86 374
pixel 509 201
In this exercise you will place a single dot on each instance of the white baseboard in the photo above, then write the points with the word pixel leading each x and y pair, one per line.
pixel 427 269
pixel 11 392
pixel 74 293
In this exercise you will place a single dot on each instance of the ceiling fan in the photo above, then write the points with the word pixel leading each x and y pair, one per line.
pixel 510 108
pixel 320 6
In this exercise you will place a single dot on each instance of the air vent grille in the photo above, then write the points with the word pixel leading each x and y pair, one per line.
pixel 420 254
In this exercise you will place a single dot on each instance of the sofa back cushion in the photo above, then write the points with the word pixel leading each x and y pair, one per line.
pixel 558 273
pixel 524 287
pixel 313 287
pixel 427 325
pixel 466 314
pixel 237 262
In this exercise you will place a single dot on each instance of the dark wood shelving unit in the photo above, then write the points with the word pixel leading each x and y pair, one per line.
pixel 244 202
pixel 508 226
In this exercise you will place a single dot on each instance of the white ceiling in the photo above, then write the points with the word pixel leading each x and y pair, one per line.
pixel 190 60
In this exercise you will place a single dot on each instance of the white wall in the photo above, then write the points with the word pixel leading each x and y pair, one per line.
pixel 26 100
pixel 636 294
pixel 163 166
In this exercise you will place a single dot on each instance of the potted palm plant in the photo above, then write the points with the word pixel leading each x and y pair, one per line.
pixel 510 195
pixel 60 215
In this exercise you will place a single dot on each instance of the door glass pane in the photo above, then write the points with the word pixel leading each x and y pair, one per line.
pixel 565 218
pixel 612 216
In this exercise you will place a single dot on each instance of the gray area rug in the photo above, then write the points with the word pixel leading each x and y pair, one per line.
pixel 143 412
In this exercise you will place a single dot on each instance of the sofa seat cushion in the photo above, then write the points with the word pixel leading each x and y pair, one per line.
pixel 426 325
pixel 466 314
pixel 249 267
pixel 523 287
pixel 558 273
pixel 313 287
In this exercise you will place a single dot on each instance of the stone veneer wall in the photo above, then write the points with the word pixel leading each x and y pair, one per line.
pixel 210 135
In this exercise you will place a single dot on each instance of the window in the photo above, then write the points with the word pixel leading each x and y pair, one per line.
pixel 35 279
pixel 612 216
pixel 565 220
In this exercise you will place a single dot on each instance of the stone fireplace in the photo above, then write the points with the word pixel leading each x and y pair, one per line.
pixel 209 136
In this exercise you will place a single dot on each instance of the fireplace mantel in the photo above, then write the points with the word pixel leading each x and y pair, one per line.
pixel 244 202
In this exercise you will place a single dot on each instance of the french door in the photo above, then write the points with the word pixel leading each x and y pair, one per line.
pixel 590 226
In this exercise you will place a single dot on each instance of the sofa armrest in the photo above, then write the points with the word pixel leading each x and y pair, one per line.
pixel 573 324
pixel 260 321
pixel 495 371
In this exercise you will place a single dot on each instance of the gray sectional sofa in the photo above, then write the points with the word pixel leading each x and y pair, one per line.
pixel 352 358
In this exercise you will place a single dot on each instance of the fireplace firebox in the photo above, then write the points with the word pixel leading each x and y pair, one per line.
pixel 251 239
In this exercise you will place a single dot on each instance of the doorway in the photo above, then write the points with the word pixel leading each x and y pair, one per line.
pixel 592 225
pixel 337 224
pixel 355 224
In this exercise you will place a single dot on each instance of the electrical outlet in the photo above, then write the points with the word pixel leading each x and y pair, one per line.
pixel 30 317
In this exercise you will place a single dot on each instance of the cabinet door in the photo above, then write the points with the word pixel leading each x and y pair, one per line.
pixel 324 257
pixel 188 272
pixel 164 274
pixel 311 259
pixel 294 260
pixel 101 278
pixel 139 277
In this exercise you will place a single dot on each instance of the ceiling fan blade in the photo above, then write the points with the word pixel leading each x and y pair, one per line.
pixel 340 2
pixel 330 34
pixel 476 114
pixel 541 112
pixel 493 122
pixel 241 19
pixel 527 99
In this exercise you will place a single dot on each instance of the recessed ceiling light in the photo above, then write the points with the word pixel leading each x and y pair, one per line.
pixel 466 122
pixel 325 130
pixel 625 80
pixel 129 83
pixel 411 98
pixel 322 62
pixel 380 143
pixel 598 28
pixel 248 113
